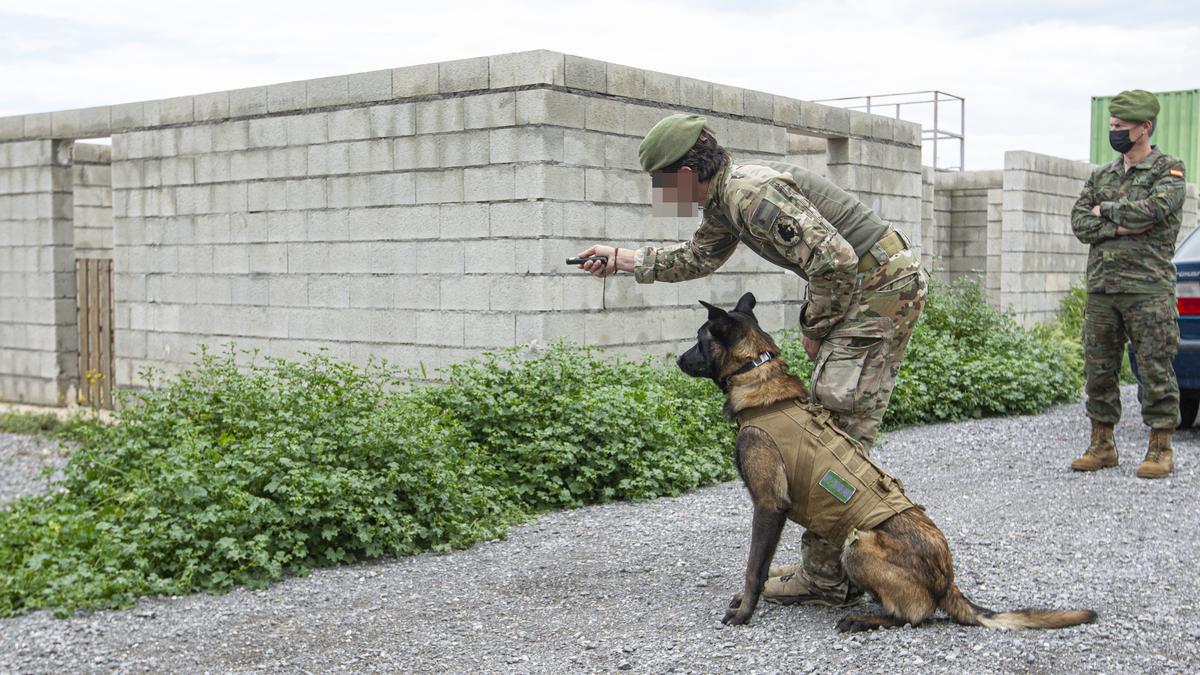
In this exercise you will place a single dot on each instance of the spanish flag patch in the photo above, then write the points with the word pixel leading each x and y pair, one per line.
pixel 1177 172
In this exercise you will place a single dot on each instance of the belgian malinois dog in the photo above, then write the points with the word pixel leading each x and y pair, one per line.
pixel 903 561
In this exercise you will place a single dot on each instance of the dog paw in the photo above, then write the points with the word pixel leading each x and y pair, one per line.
pixel 736 617
pixel 737 600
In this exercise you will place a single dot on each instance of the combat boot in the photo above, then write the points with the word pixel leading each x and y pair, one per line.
pixel 1101 453
pixel 1160 457
pixel 796 588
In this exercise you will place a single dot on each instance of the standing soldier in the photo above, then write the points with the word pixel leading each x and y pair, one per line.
pixel 1129 214
pixel 866 290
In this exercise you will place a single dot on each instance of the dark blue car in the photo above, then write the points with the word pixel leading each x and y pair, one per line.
pixel 1187 361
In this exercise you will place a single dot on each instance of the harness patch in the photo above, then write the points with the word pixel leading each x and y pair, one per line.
pixel 837 486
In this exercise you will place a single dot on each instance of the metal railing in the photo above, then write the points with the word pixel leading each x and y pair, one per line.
pixel 896 103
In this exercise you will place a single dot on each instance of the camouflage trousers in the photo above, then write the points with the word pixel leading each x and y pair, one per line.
pixel 1149 321
pixel 854 377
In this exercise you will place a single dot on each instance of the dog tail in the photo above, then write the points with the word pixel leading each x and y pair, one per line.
pixel 965 612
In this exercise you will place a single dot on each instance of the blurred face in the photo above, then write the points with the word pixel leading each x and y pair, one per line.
pixel 676 194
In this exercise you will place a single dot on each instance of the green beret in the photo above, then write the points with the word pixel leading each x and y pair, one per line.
pixel 1137 105
pixel 669 140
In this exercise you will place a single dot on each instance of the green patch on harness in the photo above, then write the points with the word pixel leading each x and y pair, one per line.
pixel 837 486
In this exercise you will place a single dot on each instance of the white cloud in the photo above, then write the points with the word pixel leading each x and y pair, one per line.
pixel 1027 70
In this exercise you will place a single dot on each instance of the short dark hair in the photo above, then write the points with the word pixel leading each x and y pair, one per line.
pixel 705 158
pixel 1153 125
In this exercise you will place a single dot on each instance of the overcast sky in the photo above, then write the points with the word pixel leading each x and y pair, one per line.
pixel 1026 69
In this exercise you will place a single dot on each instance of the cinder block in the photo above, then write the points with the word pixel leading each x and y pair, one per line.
pixel 435 187
pixel 580 219
pixel 210 107
pixel 328 91
pixel 439 116
pixel 416 152
pixel 548 181
pixel 616 186
pixel 306 194
pixel 440 257
pixel 525 293
pixel 208 168
pixel 12 127
pixel 328 159
pixel 96 121
pixel 250 290
pixel 266 196
pixel 370 156
pixel 249 165
pixel 465 149
pixel 307 129
pixel 329 225
pixel 371 291
pixel 65 123
pixel 130 116
pixel 372 86
pixel 349 124
pixel 231 136
pixel 604 115
pixel 286 96
pixel 589 74
pixel 526 68
pixel 290 290
pixel 625 81
pixel 728 99
pixel 396 222
pixel 412 81
pixel 178 110
pixel 389 189
pixel 249 101
pixel 489 184
pixel 348 191
pixel 463 75
pixel 285 226
pixel 287 162
pixel 621 152
pixel 490 110
pixel 38 125
pixel 519 219
pixel 267 132
pixel 464 221
pixel 391 120
pixel 440 328
pixel 661 87
pixel 392 258
pixel 584 148
pixel 524 144
pixel 328 291
pixel 233 259
pixel 541 106
pixel 491 330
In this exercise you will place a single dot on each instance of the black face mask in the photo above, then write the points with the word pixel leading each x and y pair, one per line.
pixel 1119 140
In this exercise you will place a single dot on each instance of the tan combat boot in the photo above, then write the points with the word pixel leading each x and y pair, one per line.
pixel 1101 453
pixel 1160 459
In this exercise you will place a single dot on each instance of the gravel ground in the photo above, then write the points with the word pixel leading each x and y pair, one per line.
pixel 22 460
pixel 642 587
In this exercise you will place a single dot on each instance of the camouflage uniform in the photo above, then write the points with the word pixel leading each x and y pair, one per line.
pixel 1131 284
pixel 863 300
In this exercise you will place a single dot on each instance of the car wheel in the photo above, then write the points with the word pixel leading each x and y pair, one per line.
pixel 1189 403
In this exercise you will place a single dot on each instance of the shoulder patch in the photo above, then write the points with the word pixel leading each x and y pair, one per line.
pixel 1176 171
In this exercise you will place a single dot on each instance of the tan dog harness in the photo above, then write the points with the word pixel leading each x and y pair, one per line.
pixel 834 485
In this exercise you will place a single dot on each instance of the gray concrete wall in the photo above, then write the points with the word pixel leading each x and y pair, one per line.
pixel 91 177
pixel 423 214
pixel 38 336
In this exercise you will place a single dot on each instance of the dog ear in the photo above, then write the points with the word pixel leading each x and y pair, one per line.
pixel 714 312
pixel 746 304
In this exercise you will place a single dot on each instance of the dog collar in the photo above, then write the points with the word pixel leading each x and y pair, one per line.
pixel 756 362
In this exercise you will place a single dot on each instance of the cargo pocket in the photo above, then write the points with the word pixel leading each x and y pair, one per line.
pixel 848 371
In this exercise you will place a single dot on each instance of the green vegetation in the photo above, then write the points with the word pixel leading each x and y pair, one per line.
pixel 242 473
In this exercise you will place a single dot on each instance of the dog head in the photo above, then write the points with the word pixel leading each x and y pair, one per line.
pixel 726 342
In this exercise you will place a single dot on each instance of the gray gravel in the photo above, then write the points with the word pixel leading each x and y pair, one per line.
pixel 642 587
pixel 24 463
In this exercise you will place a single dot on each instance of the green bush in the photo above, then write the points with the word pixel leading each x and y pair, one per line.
pixel 228 474
pixel 569 426
pixel 231 476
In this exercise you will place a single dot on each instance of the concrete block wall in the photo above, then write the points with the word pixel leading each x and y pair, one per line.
pixel 962 204
pixel 423 213
pixel 91 177
pixel 38 335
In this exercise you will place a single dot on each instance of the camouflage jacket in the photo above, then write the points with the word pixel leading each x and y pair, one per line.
pixel 1150 194
pixel 764 209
